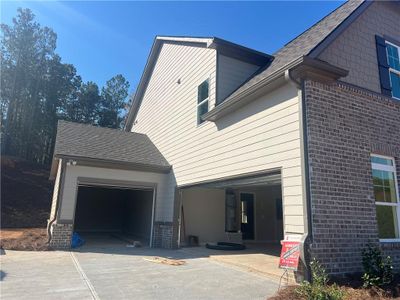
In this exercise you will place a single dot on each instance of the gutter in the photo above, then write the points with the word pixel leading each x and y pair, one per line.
pixel 60 186
pixel 307 238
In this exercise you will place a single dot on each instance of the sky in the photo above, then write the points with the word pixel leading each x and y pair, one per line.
pixel 102 39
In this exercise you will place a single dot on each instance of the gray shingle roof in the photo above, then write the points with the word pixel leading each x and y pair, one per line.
pixel 105 144
pixel 303 44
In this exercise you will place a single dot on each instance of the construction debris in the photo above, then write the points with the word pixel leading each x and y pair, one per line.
pixel 166 261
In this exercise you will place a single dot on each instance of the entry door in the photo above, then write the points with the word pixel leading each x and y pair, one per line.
pixel 247 215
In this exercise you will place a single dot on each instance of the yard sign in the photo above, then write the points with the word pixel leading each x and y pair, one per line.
pixel 289 255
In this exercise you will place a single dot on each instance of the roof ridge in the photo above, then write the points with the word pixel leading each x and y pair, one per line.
pixel 316 23
pixel 101 127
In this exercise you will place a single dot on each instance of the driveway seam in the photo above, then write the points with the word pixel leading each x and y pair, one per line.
pixel 84 277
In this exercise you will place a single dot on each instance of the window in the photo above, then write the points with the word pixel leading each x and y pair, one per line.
pixel 202 101
pixel 394 68
pixel 386 197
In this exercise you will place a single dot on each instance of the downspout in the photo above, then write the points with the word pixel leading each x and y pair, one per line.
pixel 179 218
pixel 60 186
pixel 306 241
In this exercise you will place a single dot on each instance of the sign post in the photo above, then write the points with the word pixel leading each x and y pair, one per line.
pixel 289 259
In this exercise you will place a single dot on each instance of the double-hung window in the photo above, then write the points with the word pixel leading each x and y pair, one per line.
pixel 386 197
pixel 393 52
pixel 202 100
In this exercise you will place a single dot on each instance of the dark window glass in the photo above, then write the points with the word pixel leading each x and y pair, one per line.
pixel 201 110
pixel 202 92
pixel 387 221
pixel 395 82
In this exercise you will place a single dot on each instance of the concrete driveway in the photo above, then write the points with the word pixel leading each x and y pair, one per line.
pixel 119 272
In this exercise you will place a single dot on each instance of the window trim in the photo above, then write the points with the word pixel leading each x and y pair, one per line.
pixel 397 72
pixel 199 121
pixel 392 168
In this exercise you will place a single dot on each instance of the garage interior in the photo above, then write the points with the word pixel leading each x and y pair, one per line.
pixel 243 210
pixel 114 213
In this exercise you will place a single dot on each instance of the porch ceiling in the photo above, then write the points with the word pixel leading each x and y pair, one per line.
pixel 266 179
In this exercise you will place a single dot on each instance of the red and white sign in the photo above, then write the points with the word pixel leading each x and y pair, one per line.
pixel 290 255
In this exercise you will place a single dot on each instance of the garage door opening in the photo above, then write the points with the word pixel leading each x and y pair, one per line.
pixel 114 213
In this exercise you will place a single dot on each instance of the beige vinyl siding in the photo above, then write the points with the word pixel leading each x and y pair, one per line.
pixel 164 194
pixel 261 136
pixel 231 74
pixel 55 191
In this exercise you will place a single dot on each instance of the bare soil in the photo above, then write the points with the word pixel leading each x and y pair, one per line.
pixel 25 194
pixel 28 239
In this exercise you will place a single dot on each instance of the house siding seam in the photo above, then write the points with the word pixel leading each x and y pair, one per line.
pixel 355 50
pixel 263 135
pixel 345 125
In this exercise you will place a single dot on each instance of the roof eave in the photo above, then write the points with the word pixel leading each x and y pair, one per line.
pixel 114 164
pixel 301 68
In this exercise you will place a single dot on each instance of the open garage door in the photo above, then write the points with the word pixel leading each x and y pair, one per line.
pixel 114 212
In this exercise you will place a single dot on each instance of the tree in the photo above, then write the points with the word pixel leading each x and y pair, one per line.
pixel 25 49
pixel 37 89
pixel 85 106
pixel 113 102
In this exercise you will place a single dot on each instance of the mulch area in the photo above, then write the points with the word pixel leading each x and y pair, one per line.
pixel 27 239
pixel 353 291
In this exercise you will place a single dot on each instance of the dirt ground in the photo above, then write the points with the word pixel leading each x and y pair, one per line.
pixel 28 239
pixel 25 194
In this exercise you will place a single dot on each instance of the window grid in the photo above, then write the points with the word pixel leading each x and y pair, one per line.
pixel 391 168
pixel 202 104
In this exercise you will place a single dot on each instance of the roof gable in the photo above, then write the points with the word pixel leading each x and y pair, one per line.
pixel 309 43
pixel 222 46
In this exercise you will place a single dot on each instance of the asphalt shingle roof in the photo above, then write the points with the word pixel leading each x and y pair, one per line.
pixel 303 44
pixel 86 141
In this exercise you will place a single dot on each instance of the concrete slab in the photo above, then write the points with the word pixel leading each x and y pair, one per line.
pixel 117 272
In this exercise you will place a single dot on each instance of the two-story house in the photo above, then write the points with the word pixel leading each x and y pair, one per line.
pixel 224 143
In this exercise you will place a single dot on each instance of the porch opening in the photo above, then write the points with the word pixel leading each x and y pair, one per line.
pixel 107 215
pixel 244 210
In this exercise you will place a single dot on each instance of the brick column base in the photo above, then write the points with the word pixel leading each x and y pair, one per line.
pixel 163 235
pixel 61 236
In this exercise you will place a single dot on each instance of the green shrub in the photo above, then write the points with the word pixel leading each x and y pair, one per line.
pixel 378 271
pixel 319 289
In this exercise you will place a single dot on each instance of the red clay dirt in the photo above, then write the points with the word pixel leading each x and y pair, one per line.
pixel 28 239
pixel 25 204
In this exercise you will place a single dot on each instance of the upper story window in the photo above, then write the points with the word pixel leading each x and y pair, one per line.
pixel 393 52
pixel 386 197
pixel 202 100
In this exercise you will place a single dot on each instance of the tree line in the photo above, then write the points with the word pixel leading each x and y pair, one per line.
pixel 37 89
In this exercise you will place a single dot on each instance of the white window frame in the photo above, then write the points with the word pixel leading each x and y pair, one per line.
pixel 202 102
pixel 392 168
pixel 390 68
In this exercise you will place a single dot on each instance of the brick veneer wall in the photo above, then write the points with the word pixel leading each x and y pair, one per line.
pixel 163 235
pixel 61 236
pixel 345 125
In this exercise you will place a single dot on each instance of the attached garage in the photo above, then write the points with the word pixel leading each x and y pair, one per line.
pixel 109 182
pixel 122 212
